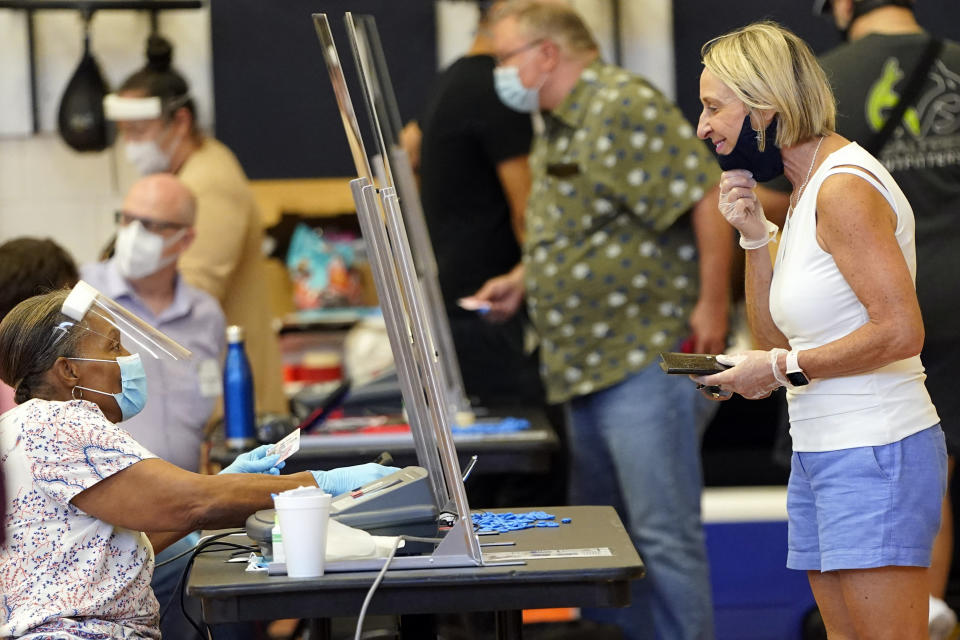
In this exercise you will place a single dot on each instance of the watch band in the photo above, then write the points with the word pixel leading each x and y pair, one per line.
pixel 795 374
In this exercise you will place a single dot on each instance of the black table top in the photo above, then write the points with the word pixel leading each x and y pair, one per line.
pixel 231 594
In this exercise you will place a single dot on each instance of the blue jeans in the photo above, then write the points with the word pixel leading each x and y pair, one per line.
pixel 636 446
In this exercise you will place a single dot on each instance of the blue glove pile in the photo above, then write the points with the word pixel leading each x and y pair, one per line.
pixel 488 522
pixel 343 479
pixel 256 461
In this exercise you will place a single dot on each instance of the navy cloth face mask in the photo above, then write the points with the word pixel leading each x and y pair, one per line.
pixel 764 165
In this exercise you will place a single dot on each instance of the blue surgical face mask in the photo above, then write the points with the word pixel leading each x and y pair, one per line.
pixel 764 165
pixel 133 384
pixel 510 90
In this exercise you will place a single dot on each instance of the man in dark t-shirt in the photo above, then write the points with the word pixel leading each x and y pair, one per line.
pixel 474 181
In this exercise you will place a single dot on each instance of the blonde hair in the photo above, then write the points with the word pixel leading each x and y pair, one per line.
pixel 769 67
pixel 550 19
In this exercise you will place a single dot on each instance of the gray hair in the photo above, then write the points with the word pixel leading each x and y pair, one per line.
pixel 32 336
pixel 549 19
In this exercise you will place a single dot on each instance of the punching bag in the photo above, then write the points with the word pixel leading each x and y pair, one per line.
pixel 80 121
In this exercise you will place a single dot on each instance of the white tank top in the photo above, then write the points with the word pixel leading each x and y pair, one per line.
pixel 812 304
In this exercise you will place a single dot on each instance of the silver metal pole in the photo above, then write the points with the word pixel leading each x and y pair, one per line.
pixel 428 366
pixel 405 312
pixel 385 279
pixel 374 91
pixel 435 392
pixel 361 55
pixel 360 58
pixel 426 263
pixel 382 266
pixel 345 104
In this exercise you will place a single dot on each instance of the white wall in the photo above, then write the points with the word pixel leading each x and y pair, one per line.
pixel 118 40
pixel 46 189
pixel 646 33
pixel 14 82
pixel 647 41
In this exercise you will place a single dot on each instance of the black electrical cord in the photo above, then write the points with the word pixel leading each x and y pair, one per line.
pixel 226 545
pixel 199 548
pixel 209 541
pixel 204 631
pixel 181 586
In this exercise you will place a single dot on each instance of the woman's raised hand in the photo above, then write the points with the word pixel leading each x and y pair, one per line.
pixel 742 209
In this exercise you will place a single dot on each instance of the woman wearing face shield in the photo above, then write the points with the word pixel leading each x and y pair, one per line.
pixel 837 312
pixel 156 120
pixel 87 506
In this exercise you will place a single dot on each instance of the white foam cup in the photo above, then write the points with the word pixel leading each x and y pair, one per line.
pixel 303 515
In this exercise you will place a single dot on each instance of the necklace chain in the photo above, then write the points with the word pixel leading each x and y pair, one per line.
pixel 807 179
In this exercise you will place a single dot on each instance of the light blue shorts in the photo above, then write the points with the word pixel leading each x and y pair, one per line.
pixel 868 506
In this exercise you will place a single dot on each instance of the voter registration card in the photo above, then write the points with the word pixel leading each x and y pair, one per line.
pixel 286 447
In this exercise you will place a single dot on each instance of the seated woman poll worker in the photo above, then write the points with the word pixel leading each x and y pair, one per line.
pixel 87 506
pixel 838 312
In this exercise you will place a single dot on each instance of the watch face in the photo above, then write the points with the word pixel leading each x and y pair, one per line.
pixel 797 378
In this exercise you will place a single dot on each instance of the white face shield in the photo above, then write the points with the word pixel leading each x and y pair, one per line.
pixel 123 108
pixel 85 301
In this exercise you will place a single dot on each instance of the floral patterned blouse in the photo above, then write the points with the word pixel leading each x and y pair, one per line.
pixel 63 573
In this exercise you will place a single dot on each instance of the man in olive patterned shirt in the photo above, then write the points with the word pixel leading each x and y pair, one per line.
pixel 625 255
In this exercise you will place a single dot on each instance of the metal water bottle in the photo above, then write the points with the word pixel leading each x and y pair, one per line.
pixel 238 393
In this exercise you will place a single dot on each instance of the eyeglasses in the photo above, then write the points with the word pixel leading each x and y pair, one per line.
pixel 502 59
pixel 123 218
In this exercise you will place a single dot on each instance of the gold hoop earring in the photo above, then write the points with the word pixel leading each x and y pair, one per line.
pixel 73 393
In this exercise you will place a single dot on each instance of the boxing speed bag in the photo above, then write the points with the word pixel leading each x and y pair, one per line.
pixel 80 121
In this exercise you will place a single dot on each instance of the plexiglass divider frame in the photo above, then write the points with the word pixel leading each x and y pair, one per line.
pixel 408 324
pixel 397 173
pixel 398 330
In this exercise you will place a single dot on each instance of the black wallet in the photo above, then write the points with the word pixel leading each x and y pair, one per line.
pixel 700 364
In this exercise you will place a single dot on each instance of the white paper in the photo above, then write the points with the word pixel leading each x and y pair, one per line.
pixel 211 384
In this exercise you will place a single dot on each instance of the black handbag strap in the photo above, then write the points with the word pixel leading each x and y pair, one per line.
pixel 910 93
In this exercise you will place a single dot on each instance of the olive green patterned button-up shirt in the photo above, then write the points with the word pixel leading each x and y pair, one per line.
pixel 610 258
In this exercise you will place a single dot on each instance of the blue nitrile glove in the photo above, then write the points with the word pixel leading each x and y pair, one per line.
pixel 256 461
pixel 343 479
